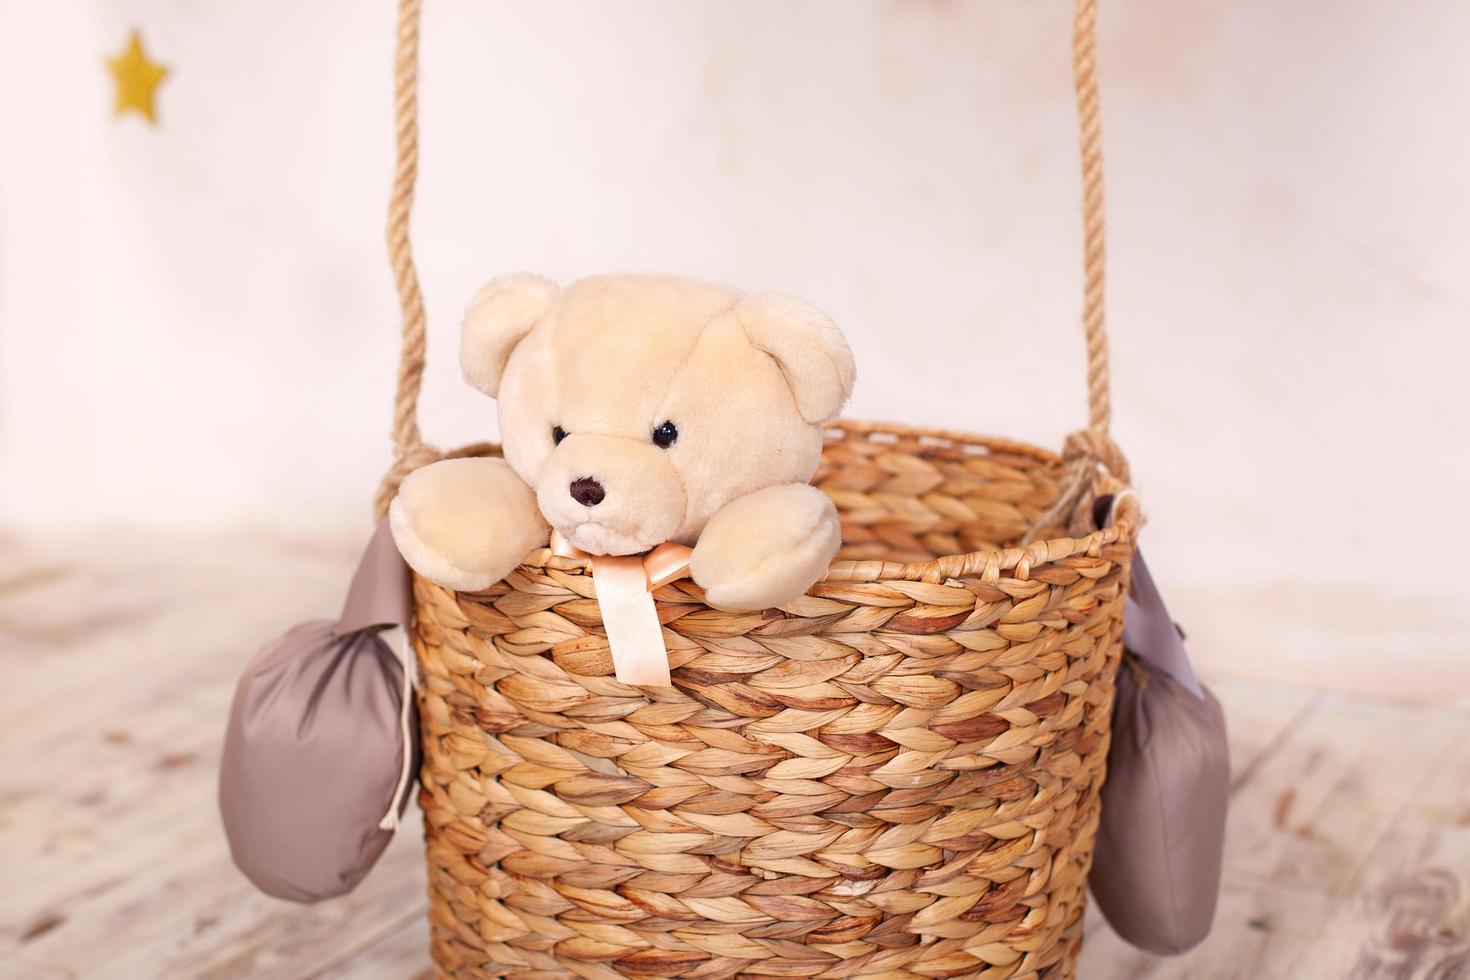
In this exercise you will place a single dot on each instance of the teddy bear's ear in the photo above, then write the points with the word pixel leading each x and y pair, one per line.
pixel 807 346
pixel 499 317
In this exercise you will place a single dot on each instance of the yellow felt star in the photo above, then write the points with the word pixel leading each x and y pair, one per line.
pixel 136 78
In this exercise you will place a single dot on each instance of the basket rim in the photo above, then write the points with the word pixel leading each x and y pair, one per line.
pixel 986 565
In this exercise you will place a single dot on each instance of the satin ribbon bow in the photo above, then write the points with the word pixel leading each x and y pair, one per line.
pixel 625 585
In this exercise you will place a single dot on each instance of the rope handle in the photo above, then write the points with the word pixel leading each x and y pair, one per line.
pixel 1088 449
pixel 1084 450
pixel 409 449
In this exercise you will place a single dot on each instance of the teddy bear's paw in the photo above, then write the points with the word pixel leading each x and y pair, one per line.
pixel 465 523
pixel 766 548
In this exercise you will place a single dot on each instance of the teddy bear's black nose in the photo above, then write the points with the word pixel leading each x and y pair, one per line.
pixel 587 492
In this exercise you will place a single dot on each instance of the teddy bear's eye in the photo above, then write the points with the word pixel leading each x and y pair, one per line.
pixel 664 435
pixel 558 434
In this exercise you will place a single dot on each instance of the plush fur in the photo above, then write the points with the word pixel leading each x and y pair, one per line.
pixel 747 381
pixel 767 547
pixel 447 531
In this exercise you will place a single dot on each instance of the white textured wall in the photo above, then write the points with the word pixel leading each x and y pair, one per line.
pixel 197 326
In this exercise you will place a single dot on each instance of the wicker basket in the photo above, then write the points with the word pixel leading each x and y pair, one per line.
pixel 895 776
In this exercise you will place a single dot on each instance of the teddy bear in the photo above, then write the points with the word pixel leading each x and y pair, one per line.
pixel 636 410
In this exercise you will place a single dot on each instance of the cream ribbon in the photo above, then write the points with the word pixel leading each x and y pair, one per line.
pixel 625 585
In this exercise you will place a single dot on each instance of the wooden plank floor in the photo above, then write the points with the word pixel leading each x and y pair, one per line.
pixel 1348 856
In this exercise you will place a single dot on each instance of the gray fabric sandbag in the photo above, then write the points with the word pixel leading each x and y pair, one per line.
pixel 319 750
pixel 1161 839
pixel 1156 867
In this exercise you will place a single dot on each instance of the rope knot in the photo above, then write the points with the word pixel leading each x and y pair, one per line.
pixel 1089 446
pixel 1082 453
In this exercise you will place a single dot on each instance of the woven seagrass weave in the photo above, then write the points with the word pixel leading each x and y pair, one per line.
pixel 897 775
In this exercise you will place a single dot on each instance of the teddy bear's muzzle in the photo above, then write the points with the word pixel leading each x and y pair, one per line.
pixel 611 494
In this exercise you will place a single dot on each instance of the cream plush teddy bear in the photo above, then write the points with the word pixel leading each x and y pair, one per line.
pixel 636 410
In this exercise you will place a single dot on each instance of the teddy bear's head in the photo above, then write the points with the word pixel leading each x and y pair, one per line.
pixel 637 406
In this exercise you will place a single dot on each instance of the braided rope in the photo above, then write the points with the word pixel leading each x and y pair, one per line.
pixel 409 450
pixel 1092 448
pixel 1089 125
